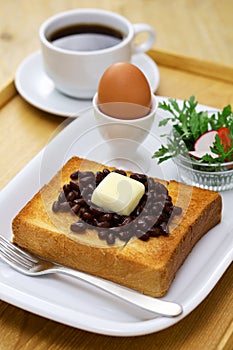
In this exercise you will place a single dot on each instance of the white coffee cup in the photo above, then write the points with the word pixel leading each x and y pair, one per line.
pixel 76 71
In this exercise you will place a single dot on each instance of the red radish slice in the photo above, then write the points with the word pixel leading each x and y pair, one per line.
pixel 205 141
pixel 203 144
pixel 200 154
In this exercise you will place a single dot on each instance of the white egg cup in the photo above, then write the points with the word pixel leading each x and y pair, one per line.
pixel 124 138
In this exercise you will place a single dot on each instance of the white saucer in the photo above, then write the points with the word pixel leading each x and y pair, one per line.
pixel 37 88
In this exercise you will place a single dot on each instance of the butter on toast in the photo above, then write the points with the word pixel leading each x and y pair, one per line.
pixel 148 267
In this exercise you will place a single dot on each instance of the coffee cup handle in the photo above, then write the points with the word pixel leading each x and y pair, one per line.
pixel 146 45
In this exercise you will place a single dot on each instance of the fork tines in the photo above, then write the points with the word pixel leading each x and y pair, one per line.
pixel 13 254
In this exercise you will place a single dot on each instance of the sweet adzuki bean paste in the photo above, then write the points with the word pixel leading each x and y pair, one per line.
pixel 149 219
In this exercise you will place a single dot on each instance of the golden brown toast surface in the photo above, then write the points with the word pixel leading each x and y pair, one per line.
pixel 148 267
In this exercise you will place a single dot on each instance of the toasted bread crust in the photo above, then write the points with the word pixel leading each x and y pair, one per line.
pixel 148 267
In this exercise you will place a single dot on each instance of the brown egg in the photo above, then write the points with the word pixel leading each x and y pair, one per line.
pixel 124 92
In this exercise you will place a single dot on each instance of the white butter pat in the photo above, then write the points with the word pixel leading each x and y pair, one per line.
pixel 118 193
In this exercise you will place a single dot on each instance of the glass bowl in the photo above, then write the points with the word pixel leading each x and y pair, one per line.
pixel 216 177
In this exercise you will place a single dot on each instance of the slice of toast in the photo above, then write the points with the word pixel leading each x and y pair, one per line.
pixel 148 267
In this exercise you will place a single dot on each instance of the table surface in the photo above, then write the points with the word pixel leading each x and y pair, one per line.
pixel 196 28
pixel 202 29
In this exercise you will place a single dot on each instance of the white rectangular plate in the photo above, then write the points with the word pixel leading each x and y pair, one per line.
pixel 77 304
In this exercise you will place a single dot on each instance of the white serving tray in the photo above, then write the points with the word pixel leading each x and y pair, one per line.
pixel 77 304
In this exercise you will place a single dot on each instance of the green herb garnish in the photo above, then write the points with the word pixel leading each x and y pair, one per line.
pixel 188 125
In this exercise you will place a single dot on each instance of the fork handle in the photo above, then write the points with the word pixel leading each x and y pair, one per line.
pixel 161 307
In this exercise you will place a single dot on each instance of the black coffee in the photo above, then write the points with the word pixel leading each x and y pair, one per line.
pixel 85 37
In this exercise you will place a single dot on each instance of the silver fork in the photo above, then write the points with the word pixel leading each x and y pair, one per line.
pixel 33 265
